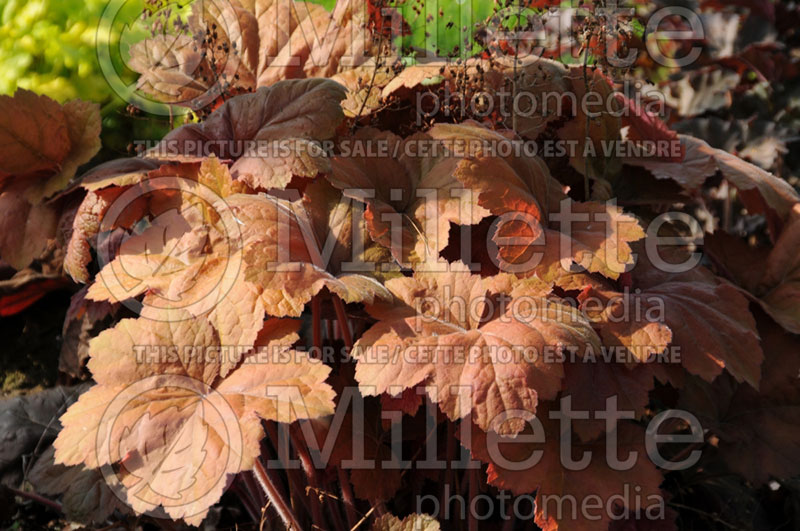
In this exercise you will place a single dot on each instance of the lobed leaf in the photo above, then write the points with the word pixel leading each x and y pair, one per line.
pixel 198 422
pixel 484 368
pixel 534 464
pixel 295 112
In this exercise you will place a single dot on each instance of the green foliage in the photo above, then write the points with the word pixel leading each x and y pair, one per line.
pixel 48 46
pixel 327 4
pixel 439 25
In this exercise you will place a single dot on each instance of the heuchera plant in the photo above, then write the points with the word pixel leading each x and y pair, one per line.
pixel 371 287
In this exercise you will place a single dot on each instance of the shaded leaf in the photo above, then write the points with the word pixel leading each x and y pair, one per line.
pixel 29 423
pixel 761 191
pixel 85 495
pixel 554 484
pixel 83 321
pixel 25 228
pixel 758 432
pixel 294 112
pixel 591 383
pixel 410 201
pixel 34 134
pixel 772 277
pixel 709 319
pixel 701 90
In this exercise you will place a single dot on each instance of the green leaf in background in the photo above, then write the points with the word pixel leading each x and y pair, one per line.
pixel 327 4
pixel 444 26
pixel 48 46
pixel 637 27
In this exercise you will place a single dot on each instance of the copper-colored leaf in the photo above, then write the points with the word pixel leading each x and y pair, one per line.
pixel 640 331
pixel 85 227
pixel 118 172
pixel 83 128
pixel 25 228
pixel 346 249
pixel 413 200
pixel 171 68
pixel 592 237
pixel 554 483
pixel 43 143
pixel 281 256
pixel 189 428
pixel 472 363
pixel 249 127
pixel 516 183
pixel 709 319
pixel 690 172
pixel 34 134
pixel 762 192
pixel 771 276
pixel 311 42
pixel 596 120
pixel 758 431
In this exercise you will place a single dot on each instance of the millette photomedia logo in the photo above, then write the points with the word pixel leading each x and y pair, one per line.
pixel 178 264
pixel 151 53
pixel 181 467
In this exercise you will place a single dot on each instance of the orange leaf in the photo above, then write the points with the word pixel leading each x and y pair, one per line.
pixel 476 357
pixel 177 426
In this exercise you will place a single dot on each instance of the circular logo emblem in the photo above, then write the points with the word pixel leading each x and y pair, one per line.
pixel 182 262
pixel 168 443
pixel 172 49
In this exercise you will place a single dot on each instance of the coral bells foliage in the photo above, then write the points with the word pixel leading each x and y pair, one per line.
pixel 472 291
